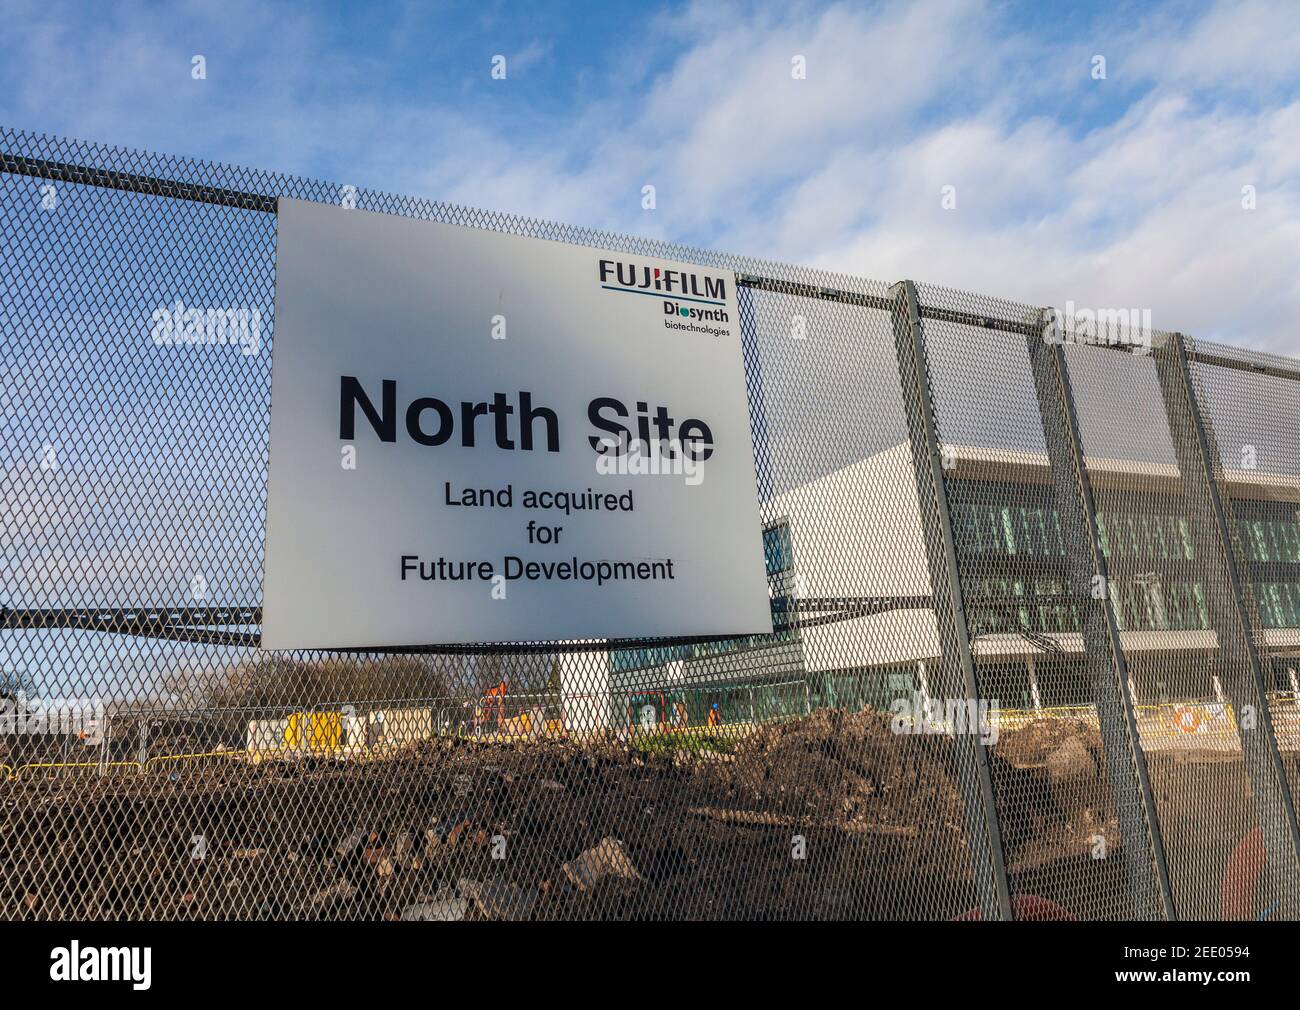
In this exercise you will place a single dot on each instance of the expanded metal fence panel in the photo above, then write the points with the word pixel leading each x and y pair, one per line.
pixel 1069 804
pixel 1251 406
pixel 943 724
pixel 1220 801
pixel 754 778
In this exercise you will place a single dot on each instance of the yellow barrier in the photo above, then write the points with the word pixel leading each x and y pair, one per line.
pixel 8 771
pixel 1017 717
pixel 1188 723
pixel 1190 720
pixel 90 765
pixel 228 755
pixel 1090 711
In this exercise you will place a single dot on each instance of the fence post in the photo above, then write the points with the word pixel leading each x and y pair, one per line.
pixel 975 778
pixel 1214 538
pixel 1107 668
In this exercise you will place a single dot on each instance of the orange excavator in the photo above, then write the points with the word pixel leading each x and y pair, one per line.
pixel 490 718
pixel 490 713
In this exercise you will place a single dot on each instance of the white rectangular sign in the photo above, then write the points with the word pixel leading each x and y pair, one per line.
pixel 479 437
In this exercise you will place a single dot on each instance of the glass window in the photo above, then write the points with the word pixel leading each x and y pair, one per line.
pixel 1291 539
pixel 1008 534
pixel 640 659
pixel 778 551
pixel 1058 541
pixel 1163 544
pixel 1278 603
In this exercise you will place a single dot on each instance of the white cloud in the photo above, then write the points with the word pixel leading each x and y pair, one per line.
pixel 1242 46
pixel 1121 192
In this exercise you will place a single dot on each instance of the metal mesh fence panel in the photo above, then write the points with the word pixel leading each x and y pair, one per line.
pixel 938 496
pixel 755 778
pixel 1247 402
pixel 1172 586
pixel 1069 798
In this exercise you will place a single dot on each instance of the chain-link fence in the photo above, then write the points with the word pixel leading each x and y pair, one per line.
pixel 1035 588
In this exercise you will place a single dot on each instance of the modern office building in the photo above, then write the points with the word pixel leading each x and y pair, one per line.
pixel 849 547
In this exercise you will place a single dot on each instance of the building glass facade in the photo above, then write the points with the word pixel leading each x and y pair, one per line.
pixel 1011 550
pixel 643 687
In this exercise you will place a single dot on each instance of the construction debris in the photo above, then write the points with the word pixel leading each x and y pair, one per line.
pixel 340 890
pixel 445 906
pixel 607 858
pixel 499 900
pixel 351 843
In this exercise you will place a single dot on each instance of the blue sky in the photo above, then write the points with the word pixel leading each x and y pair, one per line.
pixel 1116 192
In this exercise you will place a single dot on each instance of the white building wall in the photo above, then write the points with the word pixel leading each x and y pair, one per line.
pixel 857 532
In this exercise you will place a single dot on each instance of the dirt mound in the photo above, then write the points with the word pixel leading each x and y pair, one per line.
pixel 1032 745
pixel 852 770
pixel 830 816
pixel 1053 792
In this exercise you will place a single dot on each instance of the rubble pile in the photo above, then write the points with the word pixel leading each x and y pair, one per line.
pixel 832 815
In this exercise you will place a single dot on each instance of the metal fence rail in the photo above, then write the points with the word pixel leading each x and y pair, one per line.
pixel 1035 591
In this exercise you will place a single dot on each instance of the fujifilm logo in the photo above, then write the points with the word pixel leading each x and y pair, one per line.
pixel 76 963
pixel 645 280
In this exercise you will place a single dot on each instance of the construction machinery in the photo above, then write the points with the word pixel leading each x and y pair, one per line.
pixel 490 718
